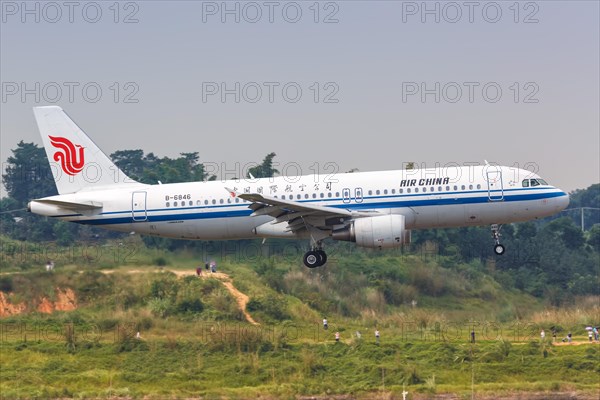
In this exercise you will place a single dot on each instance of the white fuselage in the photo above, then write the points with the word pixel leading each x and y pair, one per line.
pixel 427 198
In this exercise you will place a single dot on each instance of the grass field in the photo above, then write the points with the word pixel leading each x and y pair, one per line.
pixel 196 342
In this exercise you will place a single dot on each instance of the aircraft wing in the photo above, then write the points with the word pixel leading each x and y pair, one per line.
pixel 298 215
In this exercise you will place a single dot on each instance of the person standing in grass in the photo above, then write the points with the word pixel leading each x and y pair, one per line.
pixel 325 324
pixel 542 335
pixel 377 336
pixel 337 337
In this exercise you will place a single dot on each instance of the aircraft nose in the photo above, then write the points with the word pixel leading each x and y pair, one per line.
pixel 563 201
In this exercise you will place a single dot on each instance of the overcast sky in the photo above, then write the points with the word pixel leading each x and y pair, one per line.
pixel 367 85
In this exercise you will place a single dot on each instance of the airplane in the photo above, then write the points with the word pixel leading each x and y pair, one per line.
pixel 372 209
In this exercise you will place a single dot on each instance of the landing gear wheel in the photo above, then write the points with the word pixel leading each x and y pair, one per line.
pixel 312 259
pixel 322 256
pixel 499 249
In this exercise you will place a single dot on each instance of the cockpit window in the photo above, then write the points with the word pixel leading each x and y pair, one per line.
pixel 534 182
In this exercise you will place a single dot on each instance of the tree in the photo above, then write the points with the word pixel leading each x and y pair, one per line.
pixel 566 229
pixel 264 170
pixel 28 175
pixel 526 231
pixel 594 237
pixel 131 162
pixel 151 169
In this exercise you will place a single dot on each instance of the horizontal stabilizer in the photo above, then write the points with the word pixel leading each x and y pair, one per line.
pixel 80 206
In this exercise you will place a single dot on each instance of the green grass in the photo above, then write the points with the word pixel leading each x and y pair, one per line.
pixel 195 368
pixel 214 353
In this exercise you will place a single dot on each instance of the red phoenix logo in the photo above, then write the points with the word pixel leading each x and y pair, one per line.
pixel 70 159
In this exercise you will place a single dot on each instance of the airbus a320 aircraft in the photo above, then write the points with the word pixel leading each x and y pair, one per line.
pixel 372 209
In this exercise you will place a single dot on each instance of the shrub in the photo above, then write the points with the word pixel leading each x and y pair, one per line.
pixel 273 306
pixel 6 284
pixel 190 306
pixel 160 307
pixel 160 261
pixel 164 287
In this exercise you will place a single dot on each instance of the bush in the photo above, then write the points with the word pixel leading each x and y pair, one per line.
pixel 190 306
pixel 273 306
pixel 160 261
pixel 92 285
pixel 6 284
pixel 164 287
pixel 145 324
pixel 160 307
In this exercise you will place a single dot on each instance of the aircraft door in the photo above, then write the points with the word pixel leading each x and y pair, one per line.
pixel 138 206
pixel 494 183
pixel 358 195
pixel 346 195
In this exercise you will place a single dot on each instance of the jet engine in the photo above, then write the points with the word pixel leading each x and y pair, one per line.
pixel 382 231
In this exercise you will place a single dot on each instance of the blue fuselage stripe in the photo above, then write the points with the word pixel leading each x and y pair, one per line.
pixel 242 210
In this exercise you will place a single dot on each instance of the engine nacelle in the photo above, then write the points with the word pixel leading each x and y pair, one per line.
pixel 382 231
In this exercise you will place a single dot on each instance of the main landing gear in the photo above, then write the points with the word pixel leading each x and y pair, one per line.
pixel 498 248
pixel 315 257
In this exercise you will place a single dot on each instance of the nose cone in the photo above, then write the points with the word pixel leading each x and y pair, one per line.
pixel 562 202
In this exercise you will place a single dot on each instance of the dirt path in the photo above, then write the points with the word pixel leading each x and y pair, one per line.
pixel 574 343
pixel 241 298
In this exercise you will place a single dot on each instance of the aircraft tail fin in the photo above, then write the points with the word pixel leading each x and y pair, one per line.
pixel 76 162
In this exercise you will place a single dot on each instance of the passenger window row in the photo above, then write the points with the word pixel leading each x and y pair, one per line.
pixel 337 194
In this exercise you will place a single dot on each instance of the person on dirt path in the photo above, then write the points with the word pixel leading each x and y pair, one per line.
pixel 569 337
pixel 206 265
pixel 213 267
pixel 198 271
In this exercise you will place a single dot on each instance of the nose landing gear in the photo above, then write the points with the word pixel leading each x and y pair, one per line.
pixel 498 248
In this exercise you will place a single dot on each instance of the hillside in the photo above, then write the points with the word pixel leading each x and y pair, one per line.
pixel 196 340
